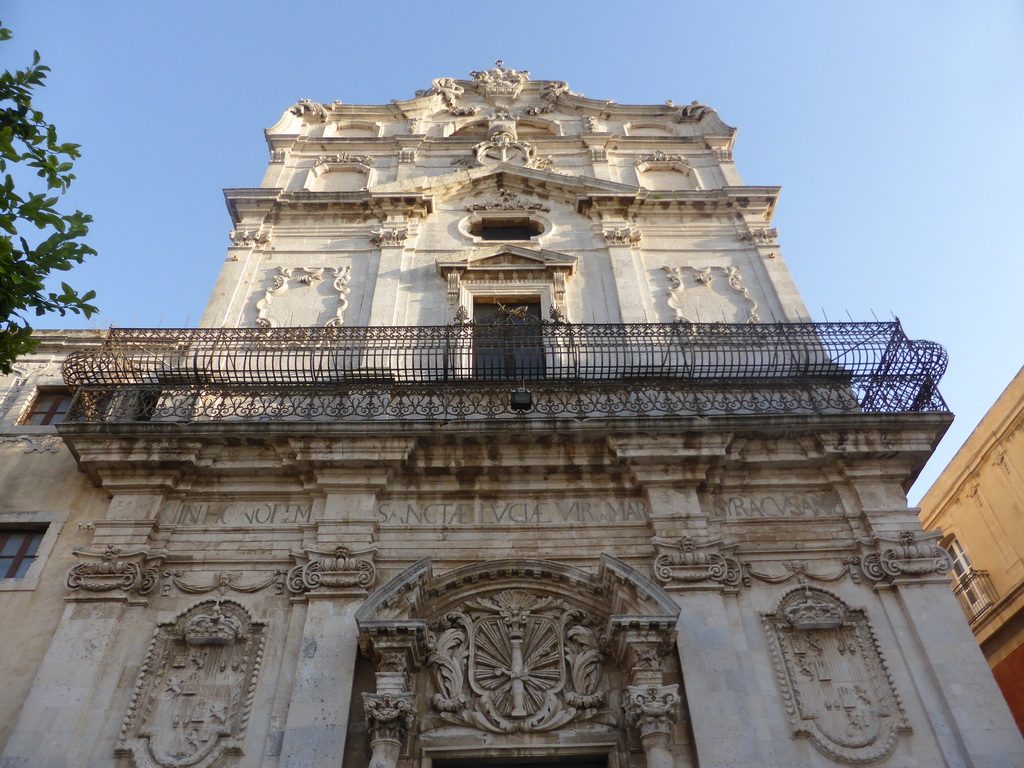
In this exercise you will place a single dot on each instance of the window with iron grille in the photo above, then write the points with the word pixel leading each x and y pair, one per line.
pixel 18 549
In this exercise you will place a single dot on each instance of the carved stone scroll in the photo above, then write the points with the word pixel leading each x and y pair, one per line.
pixel 114 569
pixel 304 278
pixel 515 662
pixel 343 569
pixel 712 294
pixel 833 680
pixel 195 690
pixel 909 555
pixel 683 562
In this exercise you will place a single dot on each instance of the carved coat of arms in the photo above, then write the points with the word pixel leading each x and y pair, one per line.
pixel 834 682
pixel 195 689
pixel 515 662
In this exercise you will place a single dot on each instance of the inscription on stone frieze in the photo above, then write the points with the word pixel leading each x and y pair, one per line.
pixel 795 506
pixel 477 512
pixel 240 513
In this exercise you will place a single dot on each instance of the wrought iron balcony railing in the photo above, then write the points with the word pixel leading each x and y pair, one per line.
pixel 975 593
pixel 467 371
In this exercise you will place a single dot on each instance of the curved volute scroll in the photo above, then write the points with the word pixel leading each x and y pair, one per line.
pixel 515 647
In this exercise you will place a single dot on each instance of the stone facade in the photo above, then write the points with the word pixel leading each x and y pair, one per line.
pixel 505 436
pixel 977 506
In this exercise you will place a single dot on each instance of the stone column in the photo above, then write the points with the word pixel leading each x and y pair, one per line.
pixel 388 719
pixel 729 726
pixel 390 238
pixel 652 710
pixel 333 577
pixel 623 243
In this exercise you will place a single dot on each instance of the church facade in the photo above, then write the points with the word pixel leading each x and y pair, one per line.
pixel 505 438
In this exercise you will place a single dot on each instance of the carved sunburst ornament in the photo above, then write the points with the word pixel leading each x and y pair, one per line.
pixel 515 662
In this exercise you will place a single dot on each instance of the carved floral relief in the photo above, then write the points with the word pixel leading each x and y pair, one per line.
pixel 340 568
pixel 195 690
pixel 833 680
pixel 515 662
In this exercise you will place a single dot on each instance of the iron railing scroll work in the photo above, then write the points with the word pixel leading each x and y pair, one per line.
pixel 467 371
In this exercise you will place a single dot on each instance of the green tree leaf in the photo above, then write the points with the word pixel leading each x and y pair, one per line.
pixel 27 139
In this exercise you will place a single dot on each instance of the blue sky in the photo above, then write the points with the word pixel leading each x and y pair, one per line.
pixel 896 130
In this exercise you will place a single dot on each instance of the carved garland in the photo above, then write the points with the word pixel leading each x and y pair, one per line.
pixel 833 680
pixel 515 663
pixel 194 693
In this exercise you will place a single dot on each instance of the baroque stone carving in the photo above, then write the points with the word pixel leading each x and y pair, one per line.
pixel 722 155
pixel 500 84
pixel 761 236
pixel 249 238
pixel 682 562
pixel 660 157
pixel 693 111
pixel 113 568
pixel 389 236
pixel 706 278
pixel 222 583
pixel 389 716
pixel 797 569
pixel 36 443
pixel 305 277
pixel 194 693
pixel 623 236
pixel 344 158
pixel 515 662
pixel 910 554
pixel 833 680
pixel 503 147
pixel 341 568
pixel 311 111
pixel 506 200
pixel 652 708
pixel 465 111
pixel 445 87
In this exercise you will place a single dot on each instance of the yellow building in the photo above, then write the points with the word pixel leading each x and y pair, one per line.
pixel 977 503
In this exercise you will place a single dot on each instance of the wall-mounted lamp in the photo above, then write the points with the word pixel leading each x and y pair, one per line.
pixel 522 400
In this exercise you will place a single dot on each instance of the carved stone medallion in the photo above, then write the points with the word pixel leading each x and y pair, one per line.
pixel 194 692
pixel 515 662
pixel 834 682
